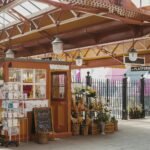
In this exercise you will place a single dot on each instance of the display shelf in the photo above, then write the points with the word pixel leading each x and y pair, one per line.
pixel 13 111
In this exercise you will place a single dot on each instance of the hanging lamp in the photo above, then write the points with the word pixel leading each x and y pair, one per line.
pixel 9 54
pixel 57 46
pixel 79 60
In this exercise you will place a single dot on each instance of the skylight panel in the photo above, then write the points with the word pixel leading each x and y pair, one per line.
pixel 41 5
pixel 22 11
pixel 3 22
pixel 141 3
pixel 7 17
pixel 29 6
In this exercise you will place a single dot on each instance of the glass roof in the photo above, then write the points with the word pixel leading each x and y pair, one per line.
pixel 28 9
pixel 141 3
pixel 6 19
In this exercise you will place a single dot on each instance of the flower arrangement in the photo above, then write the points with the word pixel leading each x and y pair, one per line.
pixel 89 91
pixel 135 112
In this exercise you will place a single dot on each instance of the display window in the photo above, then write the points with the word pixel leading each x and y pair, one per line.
pixel 32 82
pixel 58 86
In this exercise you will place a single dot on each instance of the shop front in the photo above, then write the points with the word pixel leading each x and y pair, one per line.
pixel 32 84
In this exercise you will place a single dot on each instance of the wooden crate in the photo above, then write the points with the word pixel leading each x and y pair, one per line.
pixel 93 129
pixel 109 127
pixel 75 129
pixel 84 130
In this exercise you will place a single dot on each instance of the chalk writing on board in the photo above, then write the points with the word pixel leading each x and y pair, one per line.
pixel 43 120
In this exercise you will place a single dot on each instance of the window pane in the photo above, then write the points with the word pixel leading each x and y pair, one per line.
pixel 7 17
pixel 58 86
pixel 14 75
pixel 28 76
pixel 22 11
pixel 40 5
pixel 28 91
pixel 40 91
pixel 40 76
pixel 29 6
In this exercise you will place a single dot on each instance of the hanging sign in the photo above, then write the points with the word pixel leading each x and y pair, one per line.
pixel 139 61
pixel 140 68
pixel 59 67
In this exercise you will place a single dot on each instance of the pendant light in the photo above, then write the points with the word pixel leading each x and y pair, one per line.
pixel 57 46
pixel 79 60
pixel 9 54
pixel 133 53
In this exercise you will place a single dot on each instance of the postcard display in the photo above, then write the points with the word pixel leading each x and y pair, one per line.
pixel 18 96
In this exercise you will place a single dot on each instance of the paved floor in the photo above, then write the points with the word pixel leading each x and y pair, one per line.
pixel 133 135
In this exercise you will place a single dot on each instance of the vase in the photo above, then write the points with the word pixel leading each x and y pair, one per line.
pixel 103 128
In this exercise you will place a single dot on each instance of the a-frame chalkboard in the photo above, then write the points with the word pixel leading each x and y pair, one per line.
pixel 43 120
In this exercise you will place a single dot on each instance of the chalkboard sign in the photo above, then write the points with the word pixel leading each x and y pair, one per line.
pixel 43 120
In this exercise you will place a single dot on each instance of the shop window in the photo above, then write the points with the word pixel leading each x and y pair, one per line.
pixel 59 86
pixel 14 75
pixel 32 82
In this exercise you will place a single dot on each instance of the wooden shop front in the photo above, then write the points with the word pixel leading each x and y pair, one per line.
pixel 40 83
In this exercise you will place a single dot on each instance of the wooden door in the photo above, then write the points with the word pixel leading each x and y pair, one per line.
pixel 59 101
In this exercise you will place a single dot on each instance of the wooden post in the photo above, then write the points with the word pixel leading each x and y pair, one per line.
pixel 124 99
pixel 142 96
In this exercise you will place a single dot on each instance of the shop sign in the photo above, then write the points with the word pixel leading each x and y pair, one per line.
pixel 59 67
pixel 139 61
pixel 140 68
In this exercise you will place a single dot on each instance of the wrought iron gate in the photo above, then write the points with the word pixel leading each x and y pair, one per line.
pixel 121 95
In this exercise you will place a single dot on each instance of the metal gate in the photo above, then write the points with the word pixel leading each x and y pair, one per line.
pixel 121 95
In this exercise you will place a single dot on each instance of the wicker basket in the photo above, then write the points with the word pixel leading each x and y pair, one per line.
pixel 75 129
pixel 42 138
pixel 109 127
pixel 84 130
pixel 93 129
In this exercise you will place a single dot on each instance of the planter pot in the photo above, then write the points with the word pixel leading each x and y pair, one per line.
pixel 109 127
pixel 42 138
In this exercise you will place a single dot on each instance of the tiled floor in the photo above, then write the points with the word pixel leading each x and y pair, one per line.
pixel 132 135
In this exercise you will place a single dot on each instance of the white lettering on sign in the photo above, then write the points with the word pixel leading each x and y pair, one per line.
pixel 59 67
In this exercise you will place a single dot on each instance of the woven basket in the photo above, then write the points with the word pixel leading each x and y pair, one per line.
pixel 109 127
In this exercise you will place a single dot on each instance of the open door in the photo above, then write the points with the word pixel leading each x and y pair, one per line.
pixel 59 101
